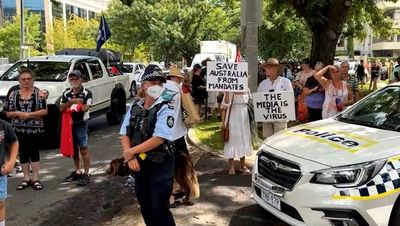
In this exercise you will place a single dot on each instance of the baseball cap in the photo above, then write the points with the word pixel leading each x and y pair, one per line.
pixel 153 72
pixel 75 73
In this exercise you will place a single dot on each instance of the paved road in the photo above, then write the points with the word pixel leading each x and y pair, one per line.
pixel 225 199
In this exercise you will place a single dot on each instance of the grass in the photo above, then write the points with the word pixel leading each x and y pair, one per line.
pixel 209 133
pixel 364 89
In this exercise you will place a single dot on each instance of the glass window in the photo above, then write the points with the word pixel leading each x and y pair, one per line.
pixel 57 10
pixel 81 66
pixel 126 68
pixel 380 110
pixel 96 69
pixel 44 71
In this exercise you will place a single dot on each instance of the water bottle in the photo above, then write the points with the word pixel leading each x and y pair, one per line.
pixel 339 104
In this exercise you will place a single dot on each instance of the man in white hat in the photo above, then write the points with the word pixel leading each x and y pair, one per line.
pixel 183 162
pixel 273 83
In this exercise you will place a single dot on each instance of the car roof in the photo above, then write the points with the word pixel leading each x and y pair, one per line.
pixel 59 58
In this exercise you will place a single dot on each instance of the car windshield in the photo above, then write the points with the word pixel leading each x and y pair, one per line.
pixel 126 68
pixel 380 110
pixel 44 71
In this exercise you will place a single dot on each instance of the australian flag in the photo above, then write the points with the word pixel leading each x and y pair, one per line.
pixel 104 33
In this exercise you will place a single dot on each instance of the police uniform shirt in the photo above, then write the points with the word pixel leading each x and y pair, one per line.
pixel 165 120
pixel 179 129
pixel 85 97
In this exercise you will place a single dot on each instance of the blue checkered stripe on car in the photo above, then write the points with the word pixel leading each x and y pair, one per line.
pixel 388 179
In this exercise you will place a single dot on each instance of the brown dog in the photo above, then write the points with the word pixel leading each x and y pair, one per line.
pixel 118 168
pixel 185 175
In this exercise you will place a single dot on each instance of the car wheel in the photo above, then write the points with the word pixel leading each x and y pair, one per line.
pixel 114 117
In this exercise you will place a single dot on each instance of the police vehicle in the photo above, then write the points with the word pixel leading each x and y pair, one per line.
pixel 339 171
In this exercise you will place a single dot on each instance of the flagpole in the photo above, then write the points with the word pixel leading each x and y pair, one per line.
pixel 105 35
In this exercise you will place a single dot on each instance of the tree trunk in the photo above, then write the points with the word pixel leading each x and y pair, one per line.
pixel 350 47
pixel 323 48
pixel 325 31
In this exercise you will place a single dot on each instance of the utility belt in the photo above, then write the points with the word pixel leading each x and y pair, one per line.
pixel 160 154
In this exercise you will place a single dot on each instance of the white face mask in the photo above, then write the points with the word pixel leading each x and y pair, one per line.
pixel 155 91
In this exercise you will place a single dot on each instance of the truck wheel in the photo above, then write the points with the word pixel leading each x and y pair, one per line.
pixel 114 117
pixel 133 89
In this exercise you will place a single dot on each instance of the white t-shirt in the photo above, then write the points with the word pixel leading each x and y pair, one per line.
pixel 179 129
pixel 280 84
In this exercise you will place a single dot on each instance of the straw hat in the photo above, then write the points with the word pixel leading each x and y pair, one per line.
pixel 175 71
pixel 273 62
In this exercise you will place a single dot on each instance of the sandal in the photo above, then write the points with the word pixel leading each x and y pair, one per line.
pixel 23 185
pixel 245 171
pixel 37 185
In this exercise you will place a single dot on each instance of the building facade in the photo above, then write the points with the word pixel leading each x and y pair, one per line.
pixel 375 46
pixel 52 9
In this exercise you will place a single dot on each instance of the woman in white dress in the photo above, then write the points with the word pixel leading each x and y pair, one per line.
pixel 239 144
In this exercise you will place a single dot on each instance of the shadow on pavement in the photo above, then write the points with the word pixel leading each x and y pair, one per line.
pixel 254 215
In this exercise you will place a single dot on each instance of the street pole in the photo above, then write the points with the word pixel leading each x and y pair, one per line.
pixel 22 29
pixel 251 41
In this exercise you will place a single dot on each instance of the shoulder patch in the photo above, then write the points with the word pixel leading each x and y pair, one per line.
pixel 170 121
pixel 168 94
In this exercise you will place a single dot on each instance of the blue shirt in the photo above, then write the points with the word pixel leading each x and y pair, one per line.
pixel 165 120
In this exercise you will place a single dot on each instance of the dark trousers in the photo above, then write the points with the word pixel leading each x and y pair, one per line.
pixel 153 188
pixel 28 147
pixel 315 114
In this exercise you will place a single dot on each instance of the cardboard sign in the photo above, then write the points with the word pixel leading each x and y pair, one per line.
pixel 227 76
pixel 274 106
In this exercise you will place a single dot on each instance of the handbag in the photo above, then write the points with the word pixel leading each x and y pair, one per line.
pixel 189 111
pixel 225 124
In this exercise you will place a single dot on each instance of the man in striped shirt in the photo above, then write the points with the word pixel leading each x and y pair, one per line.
pixel 350 79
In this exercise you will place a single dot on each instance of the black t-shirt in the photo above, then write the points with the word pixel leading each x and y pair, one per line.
pixel 375 71
pixel 7 136
pixel 198 94
pixel 312 82
pixel 85 97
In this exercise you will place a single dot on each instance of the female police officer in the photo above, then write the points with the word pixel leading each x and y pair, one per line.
pixel 146 142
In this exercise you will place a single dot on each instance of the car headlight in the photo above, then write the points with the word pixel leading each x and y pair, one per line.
pixel 348 176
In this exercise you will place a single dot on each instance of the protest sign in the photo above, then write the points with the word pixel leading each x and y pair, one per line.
pixel 227 76
pixel 274 106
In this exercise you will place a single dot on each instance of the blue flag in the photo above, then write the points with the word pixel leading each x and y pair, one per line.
pixel 104 33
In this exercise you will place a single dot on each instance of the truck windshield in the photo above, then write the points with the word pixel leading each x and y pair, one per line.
pixel 380 110
pixel 44 71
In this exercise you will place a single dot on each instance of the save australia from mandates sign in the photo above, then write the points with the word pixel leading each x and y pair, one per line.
pixel 227 76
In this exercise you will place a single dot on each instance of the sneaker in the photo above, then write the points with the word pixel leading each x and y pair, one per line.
pixel 73 177
pixel 84 180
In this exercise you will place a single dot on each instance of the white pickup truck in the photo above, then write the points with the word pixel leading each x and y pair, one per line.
pixel 51 72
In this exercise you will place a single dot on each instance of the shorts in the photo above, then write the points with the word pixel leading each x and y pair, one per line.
pixel 3 187
pixel 80 135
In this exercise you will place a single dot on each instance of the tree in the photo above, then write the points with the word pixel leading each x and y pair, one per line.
pixel 282 34
pixel 10 36
pixel 78 33
pixel 173 29
pixel 327 19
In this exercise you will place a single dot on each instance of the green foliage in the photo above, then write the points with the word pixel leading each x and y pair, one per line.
pixel 283 35
pixel 10 36
pixel 78 33
pixel 172 29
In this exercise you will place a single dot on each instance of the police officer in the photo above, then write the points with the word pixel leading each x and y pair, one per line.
pixel 147 147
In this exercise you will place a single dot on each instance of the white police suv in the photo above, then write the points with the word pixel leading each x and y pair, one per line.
pixel 339 171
